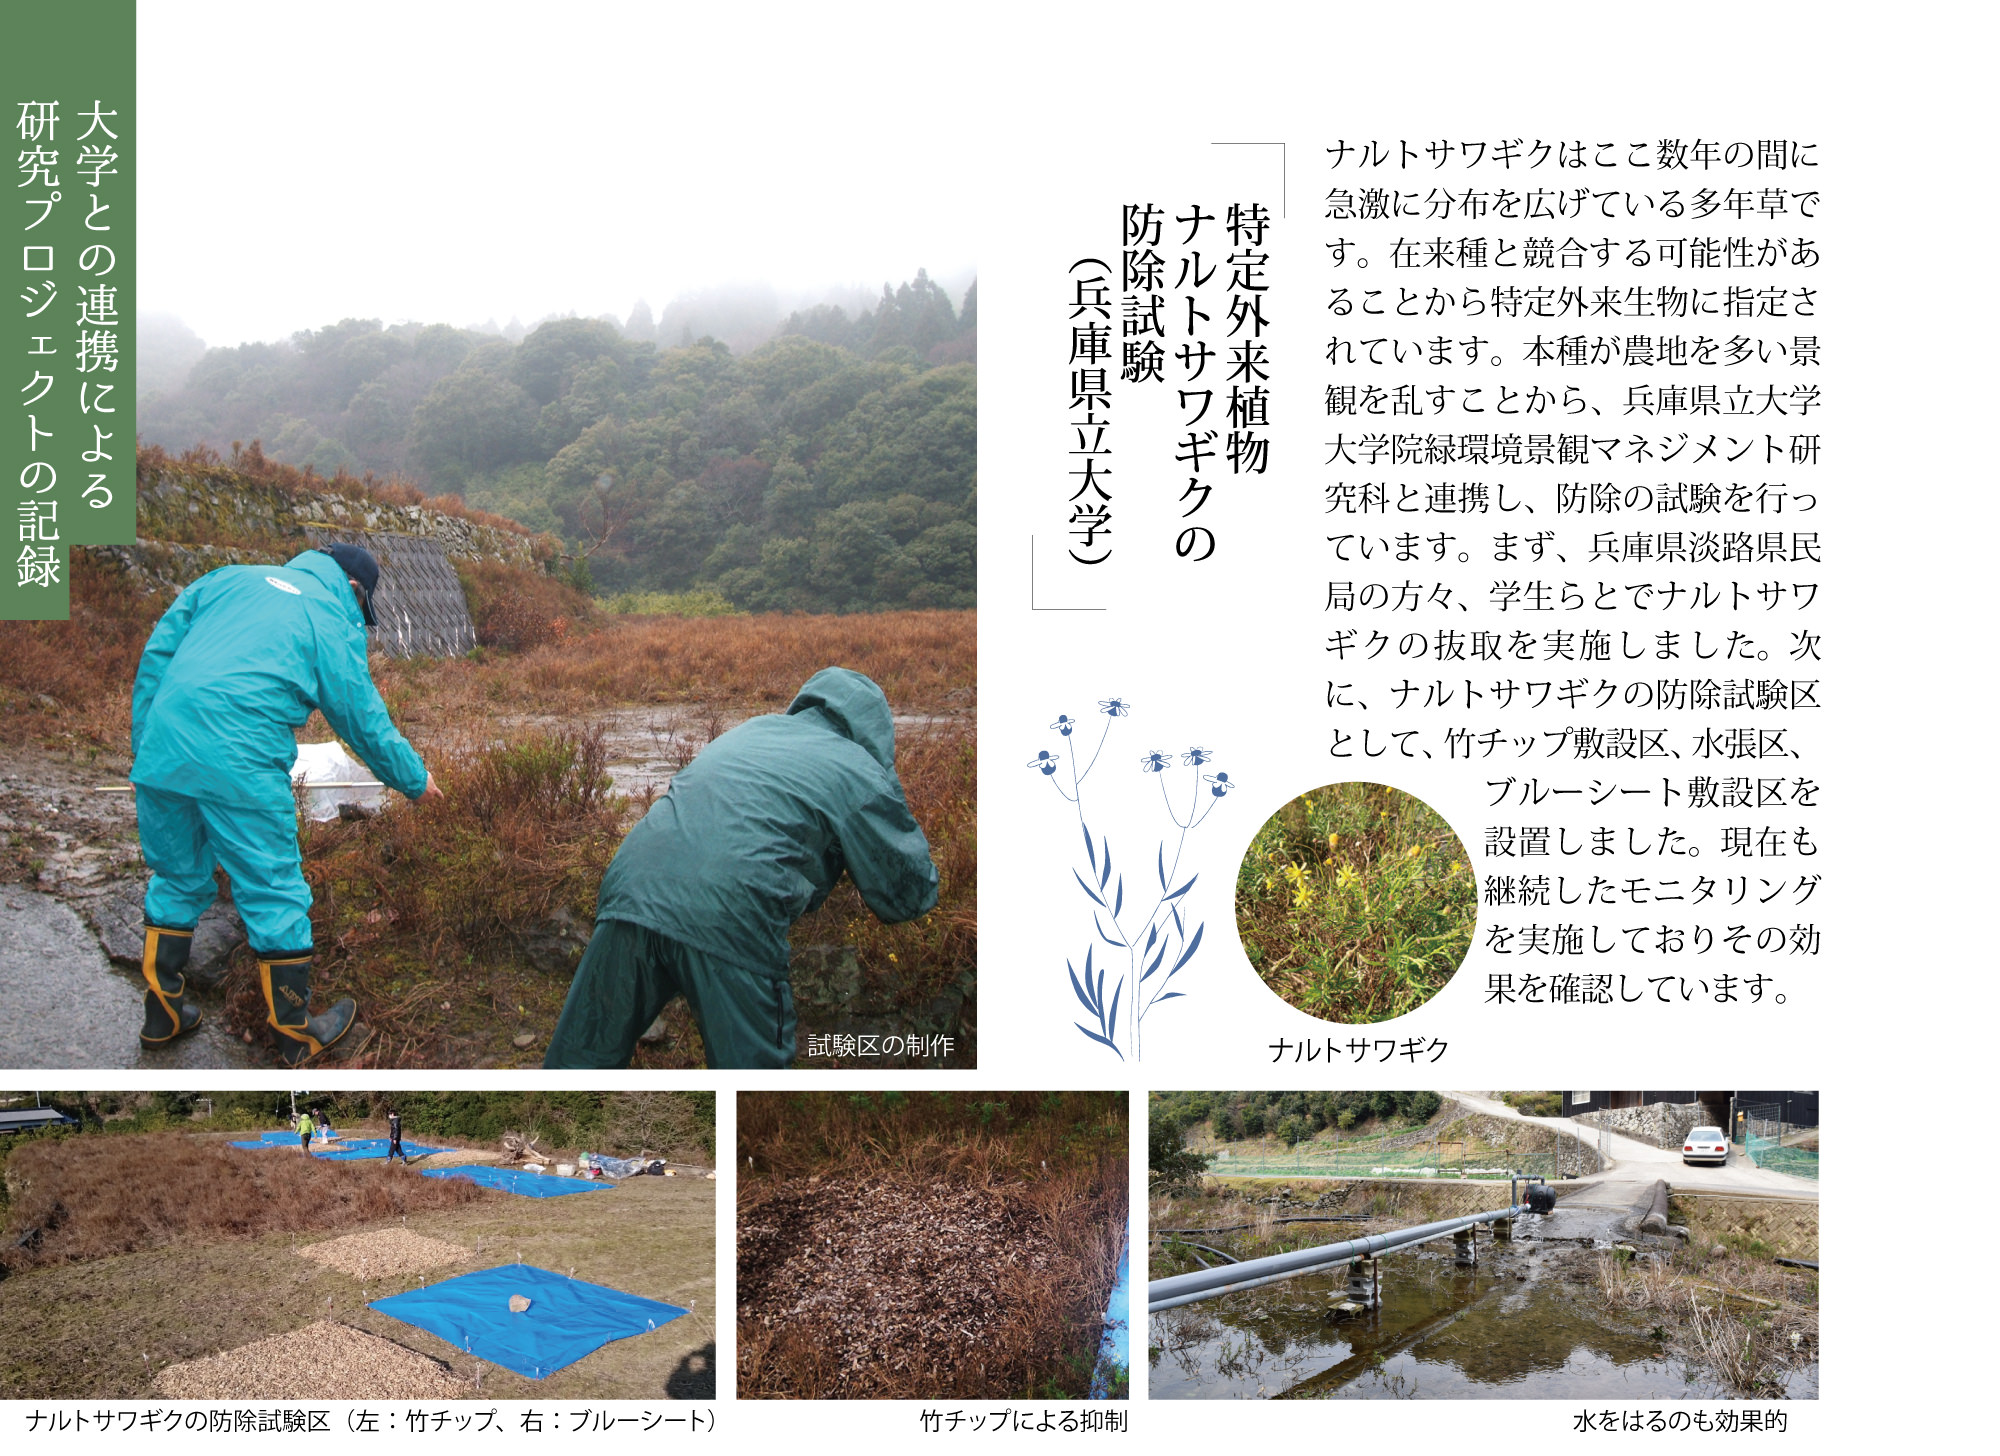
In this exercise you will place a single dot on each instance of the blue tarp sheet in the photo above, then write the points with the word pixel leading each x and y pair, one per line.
pixel 565 1319
pixel 1115 1349
pixel 350 1149
pixel 518 1180
pixel 356 1148
pixel 288 1137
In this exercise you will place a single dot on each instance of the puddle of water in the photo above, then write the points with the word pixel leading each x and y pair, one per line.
pixel 1440 1333
pixel 648 746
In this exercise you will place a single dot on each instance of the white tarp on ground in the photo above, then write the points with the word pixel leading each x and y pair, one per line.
pixel 324 763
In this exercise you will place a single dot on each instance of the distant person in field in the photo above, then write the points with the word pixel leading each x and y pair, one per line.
pixel 396 1139
pixel 700 900
pixel 305 1133
pixel 239 661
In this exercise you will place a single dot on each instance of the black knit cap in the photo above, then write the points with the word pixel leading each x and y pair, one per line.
pixel 359 563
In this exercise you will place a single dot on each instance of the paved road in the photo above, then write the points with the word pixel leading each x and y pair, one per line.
pixel 1633 1165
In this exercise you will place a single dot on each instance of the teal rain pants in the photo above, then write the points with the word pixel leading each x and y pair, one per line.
pixel 184 839
pixel 630 973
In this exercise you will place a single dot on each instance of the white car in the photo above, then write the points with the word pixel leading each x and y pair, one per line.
pixel 1705 1145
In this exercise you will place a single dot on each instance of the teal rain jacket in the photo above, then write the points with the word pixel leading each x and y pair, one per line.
pixel 239 661
pixel 756 831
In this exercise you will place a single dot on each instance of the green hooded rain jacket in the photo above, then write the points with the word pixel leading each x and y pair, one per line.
pixel 756 831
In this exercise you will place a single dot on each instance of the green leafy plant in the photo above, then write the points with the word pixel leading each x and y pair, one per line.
pixel 1356 902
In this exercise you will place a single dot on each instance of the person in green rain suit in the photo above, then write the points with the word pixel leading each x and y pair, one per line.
pixel 700 899
pixel 239 660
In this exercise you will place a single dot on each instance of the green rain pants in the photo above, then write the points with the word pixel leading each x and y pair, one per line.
pixel 630 973
pixel 184 839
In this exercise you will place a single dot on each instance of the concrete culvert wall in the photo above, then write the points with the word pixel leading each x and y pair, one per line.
pixel 420 608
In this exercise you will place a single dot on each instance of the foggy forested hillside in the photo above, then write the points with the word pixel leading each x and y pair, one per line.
pixel 830 468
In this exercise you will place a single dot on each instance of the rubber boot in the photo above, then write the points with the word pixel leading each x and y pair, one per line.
pixel 165 967
pixel 288 996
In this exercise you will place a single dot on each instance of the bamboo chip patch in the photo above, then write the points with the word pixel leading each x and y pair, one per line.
pixel 459 1157
pixel 893 1280
pixel 324 1361
pixel 385 1253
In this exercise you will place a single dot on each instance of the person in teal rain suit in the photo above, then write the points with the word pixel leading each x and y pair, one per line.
pixel 700 899
pixel 239 660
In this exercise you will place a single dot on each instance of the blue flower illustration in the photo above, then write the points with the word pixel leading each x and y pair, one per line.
pixel 1142 938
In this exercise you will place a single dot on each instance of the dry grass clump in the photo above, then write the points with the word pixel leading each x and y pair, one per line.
pixel 420 910
pixel 414 907
pixel 73 680
pixel 89 1197
pixel 1747 1320
pixel 1749 1340
pixel 526 826
pixel 384 1252
pixel 518 608
pixel 921 660
pixel 324 1361
pixel 939 770
pixel 928 1245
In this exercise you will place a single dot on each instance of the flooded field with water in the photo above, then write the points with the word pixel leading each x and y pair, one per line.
pixel 1525 1324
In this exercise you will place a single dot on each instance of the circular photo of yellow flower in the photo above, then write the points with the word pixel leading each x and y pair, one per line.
pixel 1356 902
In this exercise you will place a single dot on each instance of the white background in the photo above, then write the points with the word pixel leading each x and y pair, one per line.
pixel 1053 115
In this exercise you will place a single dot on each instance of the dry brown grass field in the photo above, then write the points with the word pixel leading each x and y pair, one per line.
pixel 176 1247
pixel 429 918
pixel 72 1199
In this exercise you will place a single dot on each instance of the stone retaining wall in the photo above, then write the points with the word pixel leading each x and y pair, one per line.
pixel 1663 1124
pixel 184 509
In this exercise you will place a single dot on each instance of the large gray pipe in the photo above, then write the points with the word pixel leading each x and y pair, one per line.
pixel 1204 1283
pixel 1179 1300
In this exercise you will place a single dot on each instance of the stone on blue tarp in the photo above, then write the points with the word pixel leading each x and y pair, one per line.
pixel 564 1319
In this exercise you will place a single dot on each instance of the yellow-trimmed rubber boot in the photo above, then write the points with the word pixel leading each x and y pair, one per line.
pixel 164 965
pixel 288 995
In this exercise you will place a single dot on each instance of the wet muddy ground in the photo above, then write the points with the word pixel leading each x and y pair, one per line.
pixel 66 855
pixel 69 860
pixel 647 746
pixel 1523 1324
